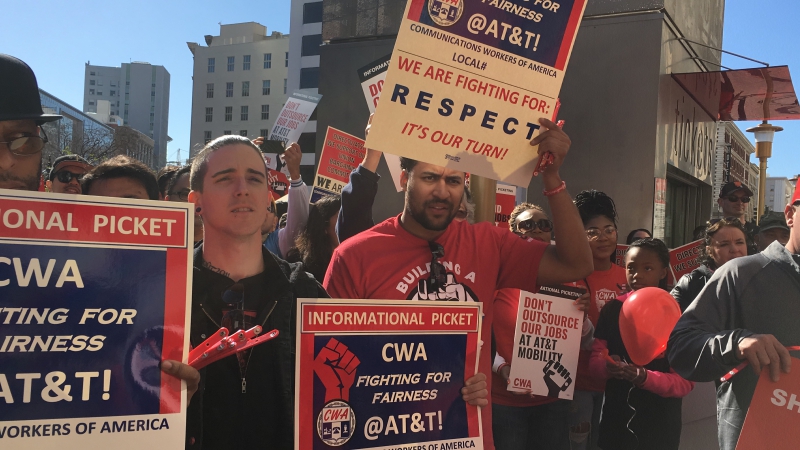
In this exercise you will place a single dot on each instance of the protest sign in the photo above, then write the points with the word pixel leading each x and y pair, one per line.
pixel 94 293
pixel 379 374
pixel 619 257
pixel 293 117
pixel 547 342
pixel 505 201
pixel 341 154
pixel 468 81
pixel 686 258
pixel 372 77
pixel 277 175
pixel 773 419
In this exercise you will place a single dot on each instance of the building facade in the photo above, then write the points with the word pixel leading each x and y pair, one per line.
pixel 779 191
pixel 239 82
pixel 138 92
pixel 732 155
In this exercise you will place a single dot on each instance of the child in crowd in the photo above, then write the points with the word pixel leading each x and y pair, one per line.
pixel 642 404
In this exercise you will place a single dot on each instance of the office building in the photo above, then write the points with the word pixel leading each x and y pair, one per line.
pixel 779 191
pixel 138 92
pixel 239 82
pixel 305 27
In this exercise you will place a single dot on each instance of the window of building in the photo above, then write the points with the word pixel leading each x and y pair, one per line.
pixel 311 45
pixel 91 82
pixel 309 77
pixel 264 133
pixel 113 84
pixel 231 62
pixel 265 87
pixel 244 113
pixel 91 102
pixel 207 136
pixel 91 91
pixel 228 89
pixel 153 85
pixel 228 114
pixel 264 112
pixel 243 133
pixel 284 85
pixel 99 82
pixel 127 96
pixel 312 12
pixel 99 92
pixel 210 65
pixel 245 88
pixel 287 59
pixel 113 93
pixel 210 90
pixel 227 132
pixel 91 73
pixel 152 93
pixel 209 114
pixel 246 62
pixel 267 60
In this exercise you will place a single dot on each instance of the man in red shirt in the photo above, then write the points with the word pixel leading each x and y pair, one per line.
pixel 423 254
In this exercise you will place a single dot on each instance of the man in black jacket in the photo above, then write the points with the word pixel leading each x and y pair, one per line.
pixel 747 311
pixel 247 400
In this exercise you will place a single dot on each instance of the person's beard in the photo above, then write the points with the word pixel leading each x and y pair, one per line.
pixel 422 218
pixel 31 183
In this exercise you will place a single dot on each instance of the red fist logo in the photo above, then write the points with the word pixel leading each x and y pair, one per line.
pixel 335 366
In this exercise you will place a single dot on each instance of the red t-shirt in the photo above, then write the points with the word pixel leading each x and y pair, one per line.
pixel 603 286
pixel 387 262
pixel 506 305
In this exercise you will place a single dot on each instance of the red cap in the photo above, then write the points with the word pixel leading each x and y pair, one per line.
pixel 796 196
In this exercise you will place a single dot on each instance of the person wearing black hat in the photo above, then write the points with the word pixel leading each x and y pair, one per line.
pixel 65 177
pixel 772 227
pixel 21 138
pixel 733 200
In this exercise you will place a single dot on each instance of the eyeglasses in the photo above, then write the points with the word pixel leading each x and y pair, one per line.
pixel 531 225
pixel 735 199
pixel 65 176
pixel 594 233
pixel 438 277
pixel 26 145
pixel 233 320
pixel 183 194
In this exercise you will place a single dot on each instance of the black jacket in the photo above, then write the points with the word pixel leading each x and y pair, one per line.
pixel 757 294
pixel 220 415
pixel 690 285
pixel 358 196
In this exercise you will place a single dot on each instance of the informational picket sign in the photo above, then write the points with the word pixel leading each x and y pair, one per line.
pixel 294 116
pixel 773 421
pixel 381 374
pixel 341 154
pixel 686 258
pixel 547 342
pixel 505 201
pixel 372 77
pixel 469 80
pixel 94 293
pixel 619 258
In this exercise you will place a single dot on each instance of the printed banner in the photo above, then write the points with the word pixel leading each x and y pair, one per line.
pixel 547 342
pixel 341 154
pixel 773 421
pixel 94 293
pixel 619 257
pixel 372 77
pixel 293 117
pixel 277 175
pixel 505 202
pixel 686 258
pixel 469 79
pixel 381 374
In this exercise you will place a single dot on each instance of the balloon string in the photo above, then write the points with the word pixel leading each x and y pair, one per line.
pixel 628 425
pixel 741 366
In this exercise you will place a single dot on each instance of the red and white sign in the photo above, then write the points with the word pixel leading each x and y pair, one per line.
pixel 341 154
pixel 686 258
pixel 505 201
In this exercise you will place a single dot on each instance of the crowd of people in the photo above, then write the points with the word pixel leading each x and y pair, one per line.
pixel 250 267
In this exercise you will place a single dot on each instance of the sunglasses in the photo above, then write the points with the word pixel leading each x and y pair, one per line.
pixel 66 176
pixel 438 276
pixel 532 225
pixel 233 320
pixel 735 199
pixel 594 233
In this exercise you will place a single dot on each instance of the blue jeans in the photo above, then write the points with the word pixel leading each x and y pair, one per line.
pixel 586 408
pixel 542 427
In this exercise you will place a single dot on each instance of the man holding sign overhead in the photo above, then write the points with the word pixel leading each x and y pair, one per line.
pixel 422 254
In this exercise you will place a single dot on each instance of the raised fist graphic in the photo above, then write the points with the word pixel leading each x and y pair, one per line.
pixel 335 366
pixel 451 291
pixel 556 377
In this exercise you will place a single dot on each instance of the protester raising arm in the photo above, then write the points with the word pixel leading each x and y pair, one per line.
pixel 358 196
pixel 571 258
pixel 297 215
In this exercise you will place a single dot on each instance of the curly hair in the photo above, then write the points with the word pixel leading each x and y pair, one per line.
pixel 660 249
pixel 313 245
pixel 593 204
pixel 519 209
pixel 711 230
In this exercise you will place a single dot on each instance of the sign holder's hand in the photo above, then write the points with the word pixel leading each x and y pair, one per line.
pixel 475 390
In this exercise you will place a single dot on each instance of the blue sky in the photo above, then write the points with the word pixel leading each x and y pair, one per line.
pixel 58 37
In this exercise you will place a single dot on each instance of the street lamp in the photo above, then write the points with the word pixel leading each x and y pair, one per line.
pixel 764 133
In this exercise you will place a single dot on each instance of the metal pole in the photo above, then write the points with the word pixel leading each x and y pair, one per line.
pixel 484 192
pixel 762 183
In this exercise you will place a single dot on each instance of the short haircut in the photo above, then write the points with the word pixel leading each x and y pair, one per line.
pixel 187 169
pixel 658 247
pixel 408 164
pixel 122 166
pixel 164 176
pixel 200 164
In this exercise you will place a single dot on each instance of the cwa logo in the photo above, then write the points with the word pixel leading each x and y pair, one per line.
pixel 604 296
pixel 445 12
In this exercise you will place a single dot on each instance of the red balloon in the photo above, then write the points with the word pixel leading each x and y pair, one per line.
pixel 645 322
